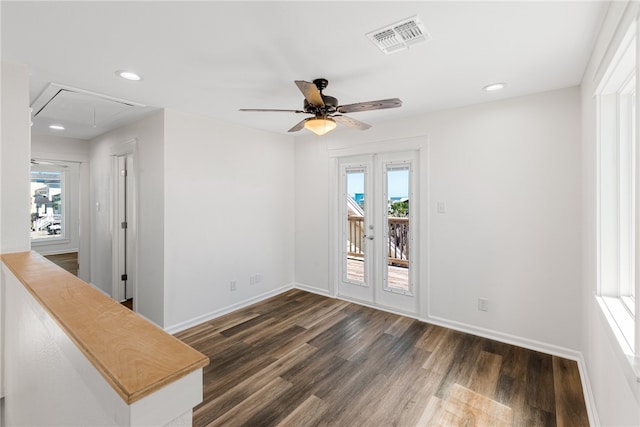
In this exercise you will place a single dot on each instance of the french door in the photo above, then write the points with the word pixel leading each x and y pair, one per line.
pixel 376 236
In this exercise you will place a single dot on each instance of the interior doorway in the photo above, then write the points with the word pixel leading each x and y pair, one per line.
pixel 59 217
pixel 376 234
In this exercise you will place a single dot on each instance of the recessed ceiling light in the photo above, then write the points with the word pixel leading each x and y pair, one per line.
pixel 494 86
pixel 128 75
pixel 56 127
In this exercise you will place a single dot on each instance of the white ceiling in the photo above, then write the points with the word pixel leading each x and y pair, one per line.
pixel 213 58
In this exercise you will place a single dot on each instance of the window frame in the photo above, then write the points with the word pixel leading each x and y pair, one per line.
pixel 404 163
pixel 618 173
pixel 63 169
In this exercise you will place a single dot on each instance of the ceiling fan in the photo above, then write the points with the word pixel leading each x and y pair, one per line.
pixel 325 109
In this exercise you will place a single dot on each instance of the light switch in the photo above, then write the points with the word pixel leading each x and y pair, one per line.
pixel 442 207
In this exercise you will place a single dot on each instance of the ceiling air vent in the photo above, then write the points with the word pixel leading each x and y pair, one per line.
pixel 400 35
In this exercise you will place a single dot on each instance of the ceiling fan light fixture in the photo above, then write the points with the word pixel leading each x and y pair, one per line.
pixel 56 126
pixel 320 125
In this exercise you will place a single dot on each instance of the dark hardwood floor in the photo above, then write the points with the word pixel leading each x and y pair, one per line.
pixel 301 359
pixel 67 261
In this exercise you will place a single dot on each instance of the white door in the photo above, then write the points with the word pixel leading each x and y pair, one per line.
pixel 376 244
pixel 124 240
pixel 356 229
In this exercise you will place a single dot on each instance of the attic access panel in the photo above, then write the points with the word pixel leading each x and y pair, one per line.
pixel 84 114
pixel 71 107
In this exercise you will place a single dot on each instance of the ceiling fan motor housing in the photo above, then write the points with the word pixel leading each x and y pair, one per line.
pixel 330 106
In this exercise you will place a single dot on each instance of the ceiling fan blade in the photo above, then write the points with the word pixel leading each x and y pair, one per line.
pixel 271 110
pixel 298 126
pixel 353 123
pixel 311 93
pixel 371 105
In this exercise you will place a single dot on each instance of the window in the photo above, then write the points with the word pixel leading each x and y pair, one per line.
pixel 618 217
pixel 626 193
pixel 397 189
pixel 48 202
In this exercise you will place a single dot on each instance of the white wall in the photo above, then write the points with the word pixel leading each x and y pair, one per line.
pixel 76 152
pixel 610 377
pixel 14 158
pixel 509 172
pixel 60 147
pixel 215 205
pixel 312 200
pixel 149 164
pixel 229 214
pixel 14 176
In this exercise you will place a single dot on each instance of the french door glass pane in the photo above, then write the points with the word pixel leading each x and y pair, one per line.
pixel 398 227
pixel 355 226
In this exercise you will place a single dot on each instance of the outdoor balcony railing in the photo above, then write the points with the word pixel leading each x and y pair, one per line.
pixel 398 245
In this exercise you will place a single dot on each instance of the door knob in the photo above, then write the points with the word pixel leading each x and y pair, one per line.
pixel 368 237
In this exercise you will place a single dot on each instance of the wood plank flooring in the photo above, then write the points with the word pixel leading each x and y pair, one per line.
pixel 301 359
pixel 67 261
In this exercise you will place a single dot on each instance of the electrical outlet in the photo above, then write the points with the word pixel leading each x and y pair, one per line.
pixel 483 304
pixel 233 285
pixel 252 280
pixel 258 278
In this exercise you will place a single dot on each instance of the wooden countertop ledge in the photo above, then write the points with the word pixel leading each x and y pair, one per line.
pixel 133 355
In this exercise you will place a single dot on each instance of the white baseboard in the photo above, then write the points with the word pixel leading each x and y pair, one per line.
pixel 174 329
pixel 587 391
pixel 505 338
pixel 313 289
